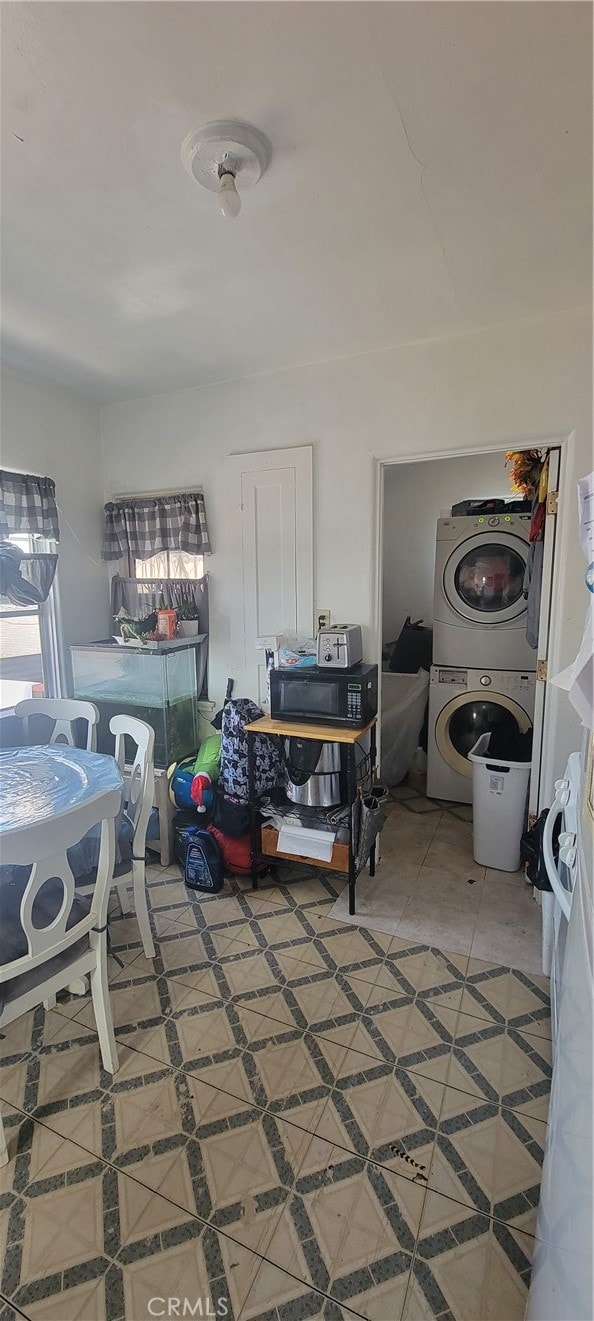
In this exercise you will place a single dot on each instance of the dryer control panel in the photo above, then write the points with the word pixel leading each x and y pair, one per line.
pixel 458 678
pixel 449 529
pixel 504 521
pixel 511 682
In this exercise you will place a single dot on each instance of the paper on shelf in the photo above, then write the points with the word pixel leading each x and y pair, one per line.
pixel 306 843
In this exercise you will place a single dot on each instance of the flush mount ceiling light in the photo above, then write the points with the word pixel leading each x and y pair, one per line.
pixel 228 158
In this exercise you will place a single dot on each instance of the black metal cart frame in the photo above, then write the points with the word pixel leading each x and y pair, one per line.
pixel 348 740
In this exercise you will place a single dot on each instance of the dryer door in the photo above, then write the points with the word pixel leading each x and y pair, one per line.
pixel 483 578
pixel 467 716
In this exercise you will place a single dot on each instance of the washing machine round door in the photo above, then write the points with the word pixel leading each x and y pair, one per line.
pixel 483 578
pixel 467 716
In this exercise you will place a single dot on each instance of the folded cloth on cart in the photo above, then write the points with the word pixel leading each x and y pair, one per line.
pixel 335 820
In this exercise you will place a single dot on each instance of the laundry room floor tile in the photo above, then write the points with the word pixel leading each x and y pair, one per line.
pixel 427 920
pixel 429 889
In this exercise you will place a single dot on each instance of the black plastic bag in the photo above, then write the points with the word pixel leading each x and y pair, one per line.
pixel 531 854
pixel 414 648
pixel 230 816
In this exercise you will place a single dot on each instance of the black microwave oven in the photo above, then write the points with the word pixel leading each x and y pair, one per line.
pixel 325 697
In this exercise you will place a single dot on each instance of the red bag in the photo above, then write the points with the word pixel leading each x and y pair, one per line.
pixel 237 853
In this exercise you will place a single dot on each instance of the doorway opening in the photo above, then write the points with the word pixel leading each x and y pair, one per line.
pixel 464 596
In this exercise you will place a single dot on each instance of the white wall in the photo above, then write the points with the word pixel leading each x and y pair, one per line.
pixel 491 388
pixel 50 433
pixel 414 496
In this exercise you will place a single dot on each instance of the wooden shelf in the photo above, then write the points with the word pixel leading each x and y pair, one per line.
pixel 294 729
pixel 338 862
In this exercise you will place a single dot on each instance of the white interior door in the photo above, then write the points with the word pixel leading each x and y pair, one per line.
pixel 271 556
pixel 539 751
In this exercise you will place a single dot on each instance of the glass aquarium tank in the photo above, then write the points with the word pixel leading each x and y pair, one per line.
pixel 159 685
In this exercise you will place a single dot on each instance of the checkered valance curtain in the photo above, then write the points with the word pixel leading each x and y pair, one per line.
pixel 140 528
pixel 28 505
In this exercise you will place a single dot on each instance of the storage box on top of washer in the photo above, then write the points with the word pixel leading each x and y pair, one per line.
pixel 494 505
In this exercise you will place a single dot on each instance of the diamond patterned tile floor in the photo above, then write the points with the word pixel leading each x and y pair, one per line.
pixel 309 1120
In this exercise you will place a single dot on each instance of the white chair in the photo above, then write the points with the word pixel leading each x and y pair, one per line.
pixel 67 939
pixel 63 711
pixel 137 812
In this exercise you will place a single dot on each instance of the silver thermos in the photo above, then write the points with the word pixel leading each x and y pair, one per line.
pixel 313 772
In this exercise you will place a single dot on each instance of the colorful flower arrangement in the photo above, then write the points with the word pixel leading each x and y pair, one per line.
pixel 525 468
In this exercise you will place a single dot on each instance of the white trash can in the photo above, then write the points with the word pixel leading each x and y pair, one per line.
pixel 499 791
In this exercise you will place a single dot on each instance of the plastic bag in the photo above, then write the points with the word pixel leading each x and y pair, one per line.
pixel 368 819
pixel 296 652
pixel 531 853
pixel 404 698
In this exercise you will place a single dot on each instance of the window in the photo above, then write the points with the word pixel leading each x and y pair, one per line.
pixel 30 644
pixel 173 527
pixel 21 666
pixel 170 564
pixel 158 578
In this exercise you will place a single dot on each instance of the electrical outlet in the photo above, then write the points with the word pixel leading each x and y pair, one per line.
pixel 321 619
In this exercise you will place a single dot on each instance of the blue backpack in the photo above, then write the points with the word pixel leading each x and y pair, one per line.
pixel 204 863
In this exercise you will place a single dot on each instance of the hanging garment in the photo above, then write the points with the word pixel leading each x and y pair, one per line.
pixel 268 752
pixel 533 574
pixel 533 591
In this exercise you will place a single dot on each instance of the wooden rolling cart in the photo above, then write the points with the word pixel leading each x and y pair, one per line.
pixel 343 859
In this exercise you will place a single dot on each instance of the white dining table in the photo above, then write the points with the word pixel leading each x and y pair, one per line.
pixel 43 787
pixel 43 783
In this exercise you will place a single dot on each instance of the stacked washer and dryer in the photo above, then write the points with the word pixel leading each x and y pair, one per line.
pixel 483 672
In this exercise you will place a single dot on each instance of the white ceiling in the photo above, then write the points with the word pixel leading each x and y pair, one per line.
pixel 431 172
